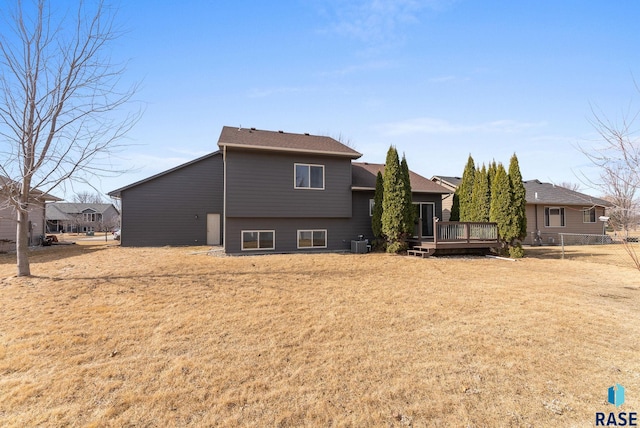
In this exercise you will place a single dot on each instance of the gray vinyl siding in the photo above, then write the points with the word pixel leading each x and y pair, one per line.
pixel 8 225
pixel 172 209
pixel 261 184
pixel 573 220
pixel 339 233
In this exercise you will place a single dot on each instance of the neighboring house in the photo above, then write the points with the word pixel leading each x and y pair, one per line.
pixel 81 217
pixel 263 192
pixel 8 217
pixel 450 183
pixel 551 210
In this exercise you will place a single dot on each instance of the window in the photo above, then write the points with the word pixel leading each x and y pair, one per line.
pixel 91 217
pixel 372 204
pixel 309 176
pixel 312 239
pixel 554 217
pixel 258 240
pixel 589 215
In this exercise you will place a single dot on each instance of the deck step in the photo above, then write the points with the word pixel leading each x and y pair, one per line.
pixel 419 252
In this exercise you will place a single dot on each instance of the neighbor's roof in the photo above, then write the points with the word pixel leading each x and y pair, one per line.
pixel 35 193
pixel 66 210
pixel 364 178
pixel 548 193
pixel 251 138
pixel 451 181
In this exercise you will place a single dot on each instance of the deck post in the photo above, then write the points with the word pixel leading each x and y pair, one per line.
pixel 419 229
pixel 435 230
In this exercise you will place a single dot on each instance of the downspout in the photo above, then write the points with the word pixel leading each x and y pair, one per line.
pixel 224 198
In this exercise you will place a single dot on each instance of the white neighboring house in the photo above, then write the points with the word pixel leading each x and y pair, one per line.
pixel 8 217
pixel 71 217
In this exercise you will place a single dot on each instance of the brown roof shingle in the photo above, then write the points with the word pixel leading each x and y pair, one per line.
pixel 364 176
pixel 252 138
pixel 547 193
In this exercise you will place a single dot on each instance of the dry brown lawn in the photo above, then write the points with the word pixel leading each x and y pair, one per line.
pixel 111 336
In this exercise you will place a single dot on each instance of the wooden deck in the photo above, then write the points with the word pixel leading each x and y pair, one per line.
pixel 453 235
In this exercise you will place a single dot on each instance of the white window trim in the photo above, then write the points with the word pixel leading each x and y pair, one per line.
pixel 563 216
pixel 295 185
pixel 242 232
pixel 326 238
pixel 595 215
pixel 372 203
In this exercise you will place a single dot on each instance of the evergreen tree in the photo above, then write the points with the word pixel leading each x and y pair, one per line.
pixel 491 173
pixel 519 199
pixel 408 212
pixel 500 211
pixel 480 197
pixel 393 201
pixel 455 207
pixel 465 190
pixel 376 219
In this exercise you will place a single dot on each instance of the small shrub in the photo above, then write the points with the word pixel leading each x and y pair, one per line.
pixel 516 252
pixel 396 247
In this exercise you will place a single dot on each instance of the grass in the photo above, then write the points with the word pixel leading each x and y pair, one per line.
pixel 112 336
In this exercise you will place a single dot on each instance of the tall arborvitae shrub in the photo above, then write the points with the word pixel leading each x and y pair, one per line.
pixel 455 208
pixel 376 219
pixel 480 202
pixel 393 202
pixel 518 206
pixel 500 211
pixel 465 190
pixel 408 211
pixel 491 172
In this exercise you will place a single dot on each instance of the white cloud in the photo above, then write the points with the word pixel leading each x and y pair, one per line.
pixel 430 125
pixel 374 21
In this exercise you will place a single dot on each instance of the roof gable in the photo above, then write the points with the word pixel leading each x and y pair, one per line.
pixel 364 177
pixel 450 182
pixel 283 141
pixel 116 193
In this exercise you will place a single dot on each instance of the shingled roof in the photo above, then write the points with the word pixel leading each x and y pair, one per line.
pixel 251 138
pixel 548 193
pixel 68 210
pixel 364 178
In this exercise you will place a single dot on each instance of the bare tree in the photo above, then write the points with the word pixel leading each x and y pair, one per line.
pixel 571 186
pixel 618 160
pixel 86 197
pixel 61 102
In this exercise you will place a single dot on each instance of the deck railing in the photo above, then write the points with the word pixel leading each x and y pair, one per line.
pixel 469 232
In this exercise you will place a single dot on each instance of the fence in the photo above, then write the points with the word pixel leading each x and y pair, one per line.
pixel 616 250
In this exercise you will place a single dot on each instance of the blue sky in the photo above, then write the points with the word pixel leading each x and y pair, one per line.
pixel 438 79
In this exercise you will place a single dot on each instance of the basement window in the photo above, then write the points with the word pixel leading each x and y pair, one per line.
pixel 312 239
pixel 258 240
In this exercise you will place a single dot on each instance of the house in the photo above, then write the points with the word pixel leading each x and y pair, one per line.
pixel 8 216
pixel 81 217
pixel 450 183
pixel 550 210
pixel 263 192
